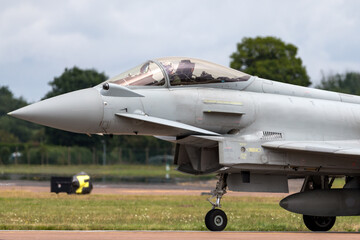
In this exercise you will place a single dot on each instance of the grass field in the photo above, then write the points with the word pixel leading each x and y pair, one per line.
pixel 28 210
pixel 40 211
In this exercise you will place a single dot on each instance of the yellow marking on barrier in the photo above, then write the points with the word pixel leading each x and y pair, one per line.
pixel 82 183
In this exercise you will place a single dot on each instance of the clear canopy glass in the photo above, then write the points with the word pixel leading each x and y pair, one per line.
pixel 180 71
pixel 189 71
pixel 147 74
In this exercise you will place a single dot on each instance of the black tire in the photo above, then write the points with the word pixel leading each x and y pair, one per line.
pixel 316 224
pixel 216 220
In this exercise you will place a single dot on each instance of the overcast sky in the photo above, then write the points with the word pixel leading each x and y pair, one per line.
pixel 39 39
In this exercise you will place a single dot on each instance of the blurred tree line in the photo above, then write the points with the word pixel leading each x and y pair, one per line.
pixel 348 82
pixel 266 57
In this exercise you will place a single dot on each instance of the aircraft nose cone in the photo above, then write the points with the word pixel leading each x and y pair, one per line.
pixel 80 111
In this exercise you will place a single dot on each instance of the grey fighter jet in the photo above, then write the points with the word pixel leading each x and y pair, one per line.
pixel 254 133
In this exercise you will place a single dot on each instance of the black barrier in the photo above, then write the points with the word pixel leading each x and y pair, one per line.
pixel 61 184
pixel 79 184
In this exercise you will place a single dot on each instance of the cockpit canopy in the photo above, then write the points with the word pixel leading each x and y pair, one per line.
pixel 178 71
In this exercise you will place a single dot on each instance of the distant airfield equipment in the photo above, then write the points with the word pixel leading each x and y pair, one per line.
pixel 78 184
pixel 254 133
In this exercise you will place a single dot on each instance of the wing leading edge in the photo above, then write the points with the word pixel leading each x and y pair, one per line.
pixel 345 147
pixel 167 123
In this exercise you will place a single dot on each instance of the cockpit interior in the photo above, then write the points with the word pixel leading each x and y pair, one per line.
pixel 178 71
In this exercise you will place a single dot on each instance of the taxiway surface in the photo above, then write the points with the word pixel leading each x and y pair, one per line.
pixel 166 235
pixel 195 188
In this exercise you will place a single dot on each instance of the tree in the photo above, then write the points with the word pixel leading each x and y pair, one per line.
pixel 271 58
pixel 9 102
pixel 75 79
pixel 6 137
pixel 348 82
pixel 71 80
pixel 13 130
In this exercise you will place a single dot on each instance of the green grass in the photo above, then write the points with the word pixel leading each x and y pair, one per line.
pixel 123 170
pixel 27 210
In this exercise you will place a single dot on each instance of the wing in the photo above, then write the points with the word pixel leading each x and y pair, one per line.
pixel 345 147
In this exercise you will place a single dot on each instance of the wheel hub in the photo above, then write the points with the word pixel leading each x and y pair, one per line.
pixel 322 221
pixel 218 220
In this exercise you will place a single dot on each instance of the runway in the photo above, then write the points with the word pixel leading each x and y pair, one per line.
pixel 194 189
pixel 166 235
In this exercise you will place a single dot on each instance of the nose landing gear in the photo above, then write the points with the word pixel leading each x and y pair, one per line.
pixel 315 224
pixel 216 219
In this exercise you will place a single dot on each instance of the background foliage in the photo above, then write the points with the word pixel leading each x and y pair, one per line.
pixel 348 82
pixel 270 58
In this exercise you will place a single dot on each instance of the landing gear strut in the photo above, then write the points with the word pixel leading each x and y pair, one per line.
pixel 216 219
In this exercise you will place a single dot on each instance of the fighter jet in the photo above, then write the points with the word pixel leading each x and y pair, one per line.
pixel 253 132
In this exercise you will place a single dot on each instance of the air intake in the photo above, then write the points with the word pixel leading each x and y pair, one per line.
pixel 266 135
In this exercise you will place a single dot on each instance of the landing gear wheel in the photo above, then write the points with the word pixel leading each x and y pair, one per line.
pixel 315 224
pixel 216 220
